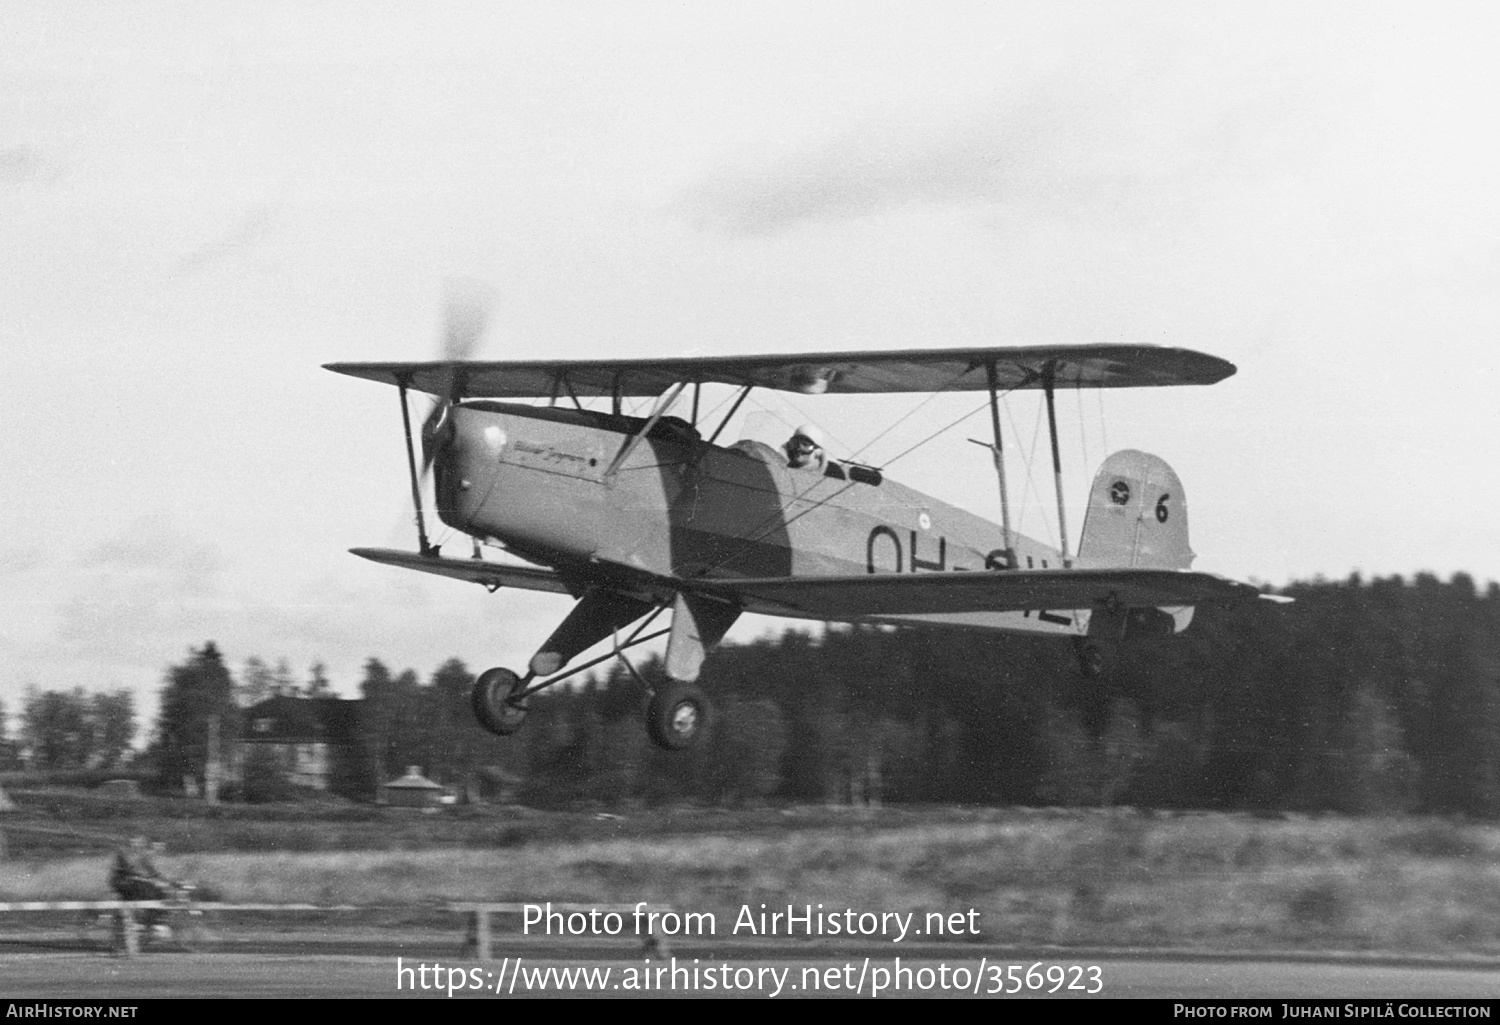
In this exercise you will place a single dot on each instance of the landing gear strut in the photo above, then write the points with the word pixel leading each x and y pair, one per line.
pixel 676 716
pixel 678 713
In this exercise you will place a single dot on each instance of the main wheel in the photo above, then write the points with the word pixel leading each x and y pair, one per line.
pixel 492 702
pixel 677 716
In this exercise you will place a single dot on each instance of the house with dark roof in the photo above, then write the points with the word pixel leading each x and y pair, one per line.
pixel 309 742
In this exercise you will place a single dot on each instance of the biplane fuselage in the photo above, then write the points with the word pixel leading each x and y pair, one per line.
pixel 538 480
pixel 635 516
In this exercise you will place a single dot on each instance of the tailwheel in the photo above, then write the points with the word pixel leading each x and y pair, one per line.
pixel 496 701
pixel 677 716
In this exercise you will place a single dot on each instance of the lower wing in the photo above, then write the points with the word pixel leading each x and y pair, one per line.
pixel 848 597
pixel 491 574
pixel 885 594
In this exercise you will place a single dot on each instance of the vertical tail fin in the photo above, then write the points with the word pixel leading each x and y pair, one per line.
pixel 1137 515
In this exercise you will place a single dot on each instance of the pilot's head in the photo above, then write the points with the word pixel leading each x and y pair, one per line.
pixel 805 447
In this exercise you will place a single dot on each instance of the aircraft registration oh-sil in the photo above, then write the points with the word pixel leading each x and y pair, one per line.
pixel 634 516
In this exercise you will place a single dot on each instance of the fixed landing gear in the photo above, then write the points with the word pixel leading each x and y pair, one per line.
pixel 677 716
pixel 498 701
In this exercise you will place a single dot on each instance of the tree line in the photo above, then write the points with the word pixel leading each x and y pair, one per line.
pixel 1363 696
pixel 70 729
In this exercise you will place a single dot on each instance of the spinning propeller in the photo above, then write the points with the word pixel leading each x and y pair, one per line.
pixel 466 311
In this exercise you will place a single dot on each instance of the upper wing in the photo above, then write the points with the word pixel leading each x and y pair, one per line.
pixel 490 574
pixel 879 594
pixel 920 370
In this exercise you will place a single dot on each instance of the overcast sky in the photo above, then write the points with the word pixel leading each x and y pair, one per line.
pixel 201 203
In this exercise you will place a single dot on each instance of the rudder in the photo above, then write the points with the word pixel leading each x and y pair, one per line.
pixel 1137 516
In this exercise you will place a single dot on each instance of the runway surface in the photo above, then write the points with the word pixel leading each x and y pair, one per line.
pixel 428 972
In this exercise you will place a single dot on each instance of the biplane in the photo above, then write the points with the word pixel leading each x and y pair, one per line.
pixel 637 516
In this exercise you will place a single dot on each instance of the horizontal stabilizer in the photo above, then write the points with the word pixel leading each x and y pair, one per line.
pixel 833 373
pixel 892 594
pixel 491 574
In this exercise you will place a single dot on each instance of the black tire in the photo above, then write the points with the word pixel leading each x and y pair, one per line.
pixel 677 716
pixel 492 705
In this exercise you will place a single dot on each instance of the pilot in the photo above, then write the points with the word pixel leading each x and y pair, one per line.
pixel 804 449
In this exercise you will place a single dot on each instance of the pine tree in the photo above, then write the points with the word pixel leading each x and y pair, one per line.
pixel 57 729
pixel 282 683
pixel 317 682
pixel 378 718
pixel 113 715
pixel 454 734
pixel 257 682
pixel 195 693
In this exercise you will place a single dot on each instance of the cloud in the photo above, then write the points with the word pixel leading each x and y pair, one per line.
pixel 137 601
pixel 154 549
pixel 141 595
pixel 1123 139
pixel 251 230
pixel 18 561
pixel 21 165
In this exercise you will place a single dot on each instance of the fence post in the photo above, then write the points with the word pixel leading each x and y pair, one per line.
pixel 479 934
pixel 127 933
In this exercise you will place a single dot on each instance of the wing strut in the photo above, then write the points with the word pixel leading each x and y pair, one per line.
pixel 1049 382
pixel 411 465
pixel 999 453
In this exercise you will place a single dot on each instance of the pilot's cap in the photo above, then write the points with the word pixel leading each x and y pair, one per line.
pixel 809 432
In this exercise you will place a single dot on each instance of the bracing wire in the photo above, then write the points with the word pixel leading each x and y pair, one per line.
pixel 912 412
pixel 941 430
pixel 800 418
pixel 1083 437
pixel 772 522
pixel 1103 420
pixel 1036 438
pixel 1036 433
pixel 781 520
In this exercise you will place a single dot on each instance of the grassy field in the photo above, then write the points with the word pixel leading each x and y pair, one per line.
pixel 1115 877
